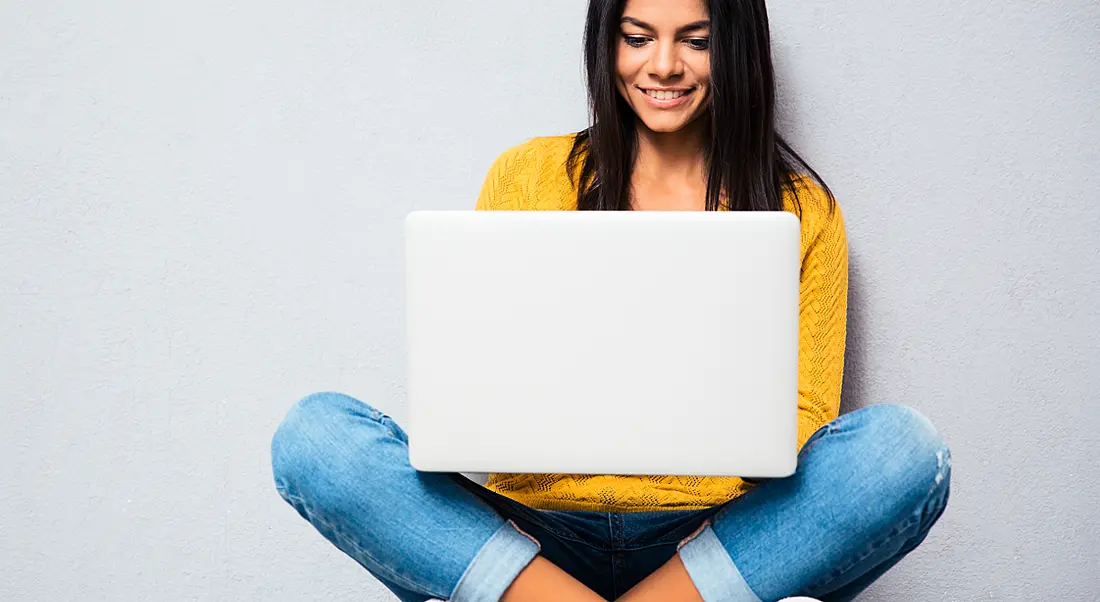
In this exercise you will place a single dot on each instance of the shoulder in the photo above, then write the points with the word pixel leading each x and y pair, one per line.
pixel 530 175
pixel 540 148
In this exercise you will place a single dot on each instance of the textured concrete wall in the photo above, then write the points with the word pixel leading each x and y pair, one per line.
pixel 199 222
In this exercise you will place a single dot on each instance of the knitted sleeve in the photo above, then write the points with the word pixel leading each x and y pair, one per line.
pixel 823 308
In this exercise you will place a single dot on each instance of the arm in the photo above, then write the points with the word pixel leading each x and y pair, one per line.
pixel 488 197
pixel 823 306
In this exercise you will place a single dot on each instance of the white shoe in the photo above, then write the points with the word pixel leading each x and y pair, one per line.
pixel 800 599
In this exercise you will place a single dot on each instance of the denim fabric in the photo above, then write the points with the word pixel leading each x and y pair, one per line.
pixel 868 487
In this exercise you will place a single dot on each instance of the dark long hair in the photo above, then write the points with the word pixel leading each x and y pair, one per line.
pixel 745 158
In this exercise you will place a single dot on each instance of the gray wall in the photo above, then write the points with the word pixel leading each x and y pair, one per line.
pixel 200 206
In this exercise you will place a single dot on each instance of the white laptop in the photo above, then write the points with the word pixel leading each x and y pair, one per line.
pixel 640 343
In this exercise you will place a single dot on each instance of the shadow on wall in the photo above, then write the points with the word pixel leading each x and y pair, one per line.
pixel 852 395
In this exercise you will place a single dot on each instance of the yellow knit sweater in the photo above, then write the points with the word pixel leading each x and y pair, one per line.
pixel 533 176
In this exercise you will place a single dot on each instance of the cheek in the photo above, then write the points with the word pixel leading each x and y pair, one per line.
pixel 701 69
pixel 627 65
pixel 621 84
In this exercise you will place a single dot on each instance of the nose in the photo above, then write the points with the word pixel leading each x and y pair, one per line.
pixel 665 62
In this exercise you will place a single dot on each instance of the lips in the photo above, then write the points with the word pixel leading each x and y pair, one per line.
pixel 666 98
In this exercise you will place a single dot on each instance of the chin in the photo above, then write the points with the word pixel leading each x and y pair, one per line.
pixel 664 126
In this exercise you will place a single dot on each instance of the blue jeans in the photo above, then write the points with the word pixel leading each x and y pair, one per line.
pixel 868 487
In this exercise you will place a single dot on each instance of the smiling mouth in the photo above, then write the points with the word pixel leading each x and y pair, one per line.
pixel 666 94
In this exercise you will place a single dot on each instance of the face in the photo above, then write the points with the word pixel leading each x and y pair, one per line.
pixel 663 61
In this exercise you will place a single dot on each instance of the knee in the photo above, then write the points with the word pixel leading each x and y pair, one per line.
pixel 298 447
pixel 907 450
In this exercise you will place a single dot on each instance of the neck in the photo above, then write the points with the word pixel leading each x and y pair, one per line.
pixel 670 155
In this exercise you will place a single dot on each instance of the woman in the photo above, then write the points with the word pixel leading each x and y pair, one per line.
pixel 683 106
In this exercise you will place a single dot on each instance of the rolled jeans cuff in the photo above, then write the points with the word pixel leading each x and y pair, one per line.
pixel 496 565
pixel 712 570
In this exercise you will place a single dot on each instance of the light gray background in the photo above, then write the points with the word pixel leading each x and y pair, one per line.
pixel 200 223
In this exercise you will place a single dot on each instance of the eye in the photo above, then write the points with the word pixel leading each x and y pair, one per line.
pixel 699 43
pixel 635 41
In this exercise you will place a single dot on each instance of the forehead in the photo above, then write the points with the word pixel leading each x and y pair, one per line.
pixel 666 13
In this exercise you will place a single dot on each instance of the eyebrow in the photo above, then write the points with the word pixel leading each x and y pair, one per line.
pixel 686 28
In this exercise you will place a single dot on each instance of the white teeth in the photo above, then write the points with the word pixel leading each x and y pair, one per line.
pixel 666 94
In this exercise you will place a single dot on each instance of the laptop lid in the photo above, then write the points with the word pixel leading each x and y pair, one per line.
pixel 644 343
